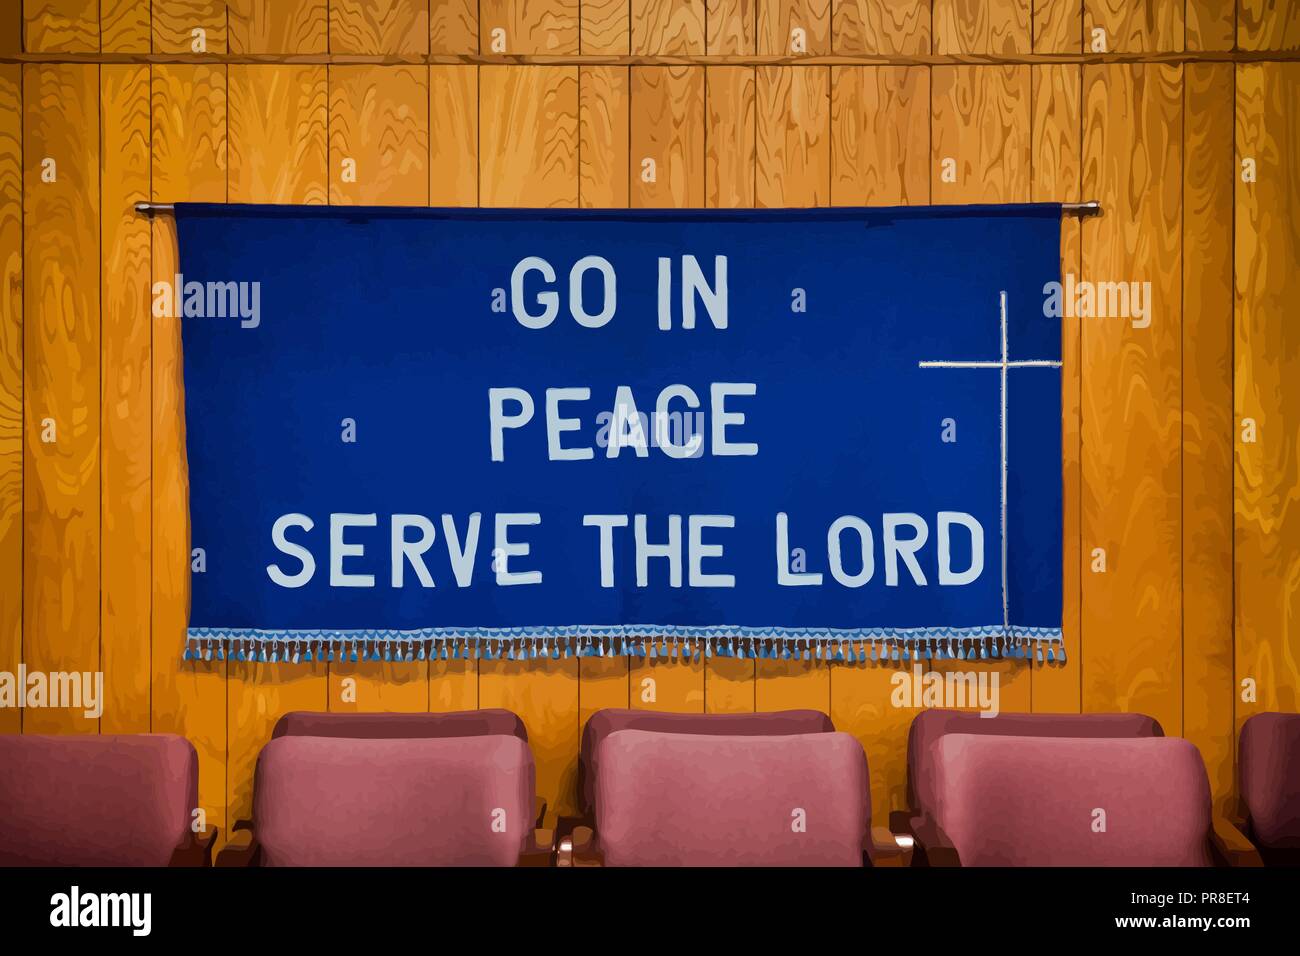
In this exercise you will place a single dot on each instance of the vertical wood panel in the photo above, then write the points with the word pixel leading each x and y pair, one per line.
pixel 1057 155
pixel 606 26
pixel 277 134
pixel 603 108
pixel 779 19
pixel 880 135
pixel 1268 25
pixel 1132 395
pixel 174 23
pixel 379 119
pixel 126 527
pixel 667 126
pixel 794 136
pixel 453 26
pixel 188 125
pixel 61 500
pixel 60 26
pixel 1149 26
pixel 379 26
pixel 731 27
pixel 1207 419
pixel 1267 520
pixel 125 26
pixel 528 119
pixel 277 155
pixel 882 26
pixel 981 120
pixel 1058 26
pixel 999 27
pixel 284 26
pixel 665 27
pixel 731 135
pixel 453 136
pixel 11 379
pixel 530 26
pixel 1211 24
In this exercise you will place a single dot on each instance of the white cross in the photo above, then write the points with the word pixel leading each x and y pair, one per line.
pixel 1004 364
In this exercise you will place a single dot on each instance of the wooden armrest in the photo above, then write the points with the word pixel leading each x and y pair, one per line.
pixel 932 844
pixel 196 850
pixel 900 822
pixel 579 849
pixel 241 850
pixel 1230 845
pixel 883 847
pixel 540 850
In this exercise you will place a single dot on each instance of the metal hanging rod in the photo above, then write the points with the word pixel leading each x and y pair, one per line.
pixel 1090 208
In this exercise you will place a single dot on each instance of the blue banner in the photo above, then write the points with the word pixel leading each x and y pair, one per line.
pixel 435 432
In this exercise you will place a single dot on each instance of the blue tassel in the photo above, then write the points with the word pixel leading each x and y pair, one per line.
pixel 1061 652
pixel 221 652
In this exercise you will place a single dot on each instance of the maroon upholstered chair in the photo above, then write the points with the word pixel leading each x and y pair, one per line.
pixel 929 726
pixel 672 799
pixel 603 723
pixel 464 723
pixel 111 800
pixel 1039 801
pixel 349 801
pixel 1269 767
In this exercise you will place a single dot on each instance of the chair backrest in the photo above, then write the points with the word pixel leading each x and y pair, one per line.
pixel 605 722
pixel 346 801
pixel 1269 763
pixel 90 800
pixel 1058 801
pixel 930 726
pixel 462 723
pixel 669 799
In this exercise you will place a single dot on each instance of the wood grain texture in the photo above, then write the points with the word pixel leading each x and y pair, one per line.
pixel 529 26
pixel 379 120
pixel 126 463
pixel 528 119
pixel 175 23
pixel 880 135
pixel 453 136
pixel 605 26
pixel 665 27
pixel 60 26
pixel 1211 24
pixel 1132 615
pixel 1057 170
pixel 1153 25
pixel 453 26
pixel 731 135
pixel 731 27
pixel 1058 26
pixel 729 686
pixel 379 26
pixel 794 136
pixel 981 120
pixel 11 379
pixel 188 126
pixel 604 94
pixel 282 26
pixel 779 19
pixel 1266 389
pixel 278 117
pixel 981 26
pixel 667 125
pixel 1268 25
pixel 889 27
pixel 1207 433
pixel 125 26
pixel 61 343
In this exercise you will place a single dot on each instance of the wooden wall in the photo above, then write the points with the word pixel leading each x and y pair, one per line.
pixel 1200 527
